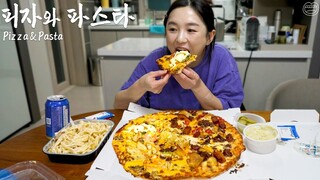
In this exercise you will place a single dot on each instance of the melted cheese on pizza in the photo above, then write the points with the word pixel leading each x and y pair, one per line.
pixel 142 128
pixel 179 57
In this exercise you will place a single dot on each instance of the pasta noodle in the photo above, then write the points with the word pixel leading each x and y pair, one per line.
pixel 79 138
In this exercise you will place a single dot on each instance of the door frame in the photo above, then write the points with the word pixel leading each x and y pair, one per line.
pixel 74 45
pixel 57 87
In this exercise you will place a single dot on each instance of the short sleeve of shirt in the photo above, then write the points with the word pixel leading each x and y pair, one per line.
pixel 146 65
pixel 224 78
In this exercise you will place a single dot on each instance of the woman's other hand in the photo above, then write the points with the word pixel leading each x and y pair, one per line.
pixel 154 81
pixel 188 79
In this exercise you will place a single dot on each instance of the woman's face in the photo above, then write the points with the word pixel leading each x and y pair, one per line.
pixel 186 31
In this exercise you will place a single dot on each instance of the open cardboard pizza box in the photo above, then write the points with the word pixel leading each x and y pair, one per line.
pixel 283 163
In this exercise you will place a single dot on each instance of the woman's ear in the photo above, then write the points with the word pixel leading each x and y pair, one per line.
pixel 211 35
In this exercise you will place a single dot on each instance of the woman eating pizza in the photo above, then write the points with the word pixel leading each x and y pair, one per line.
pixel 191 71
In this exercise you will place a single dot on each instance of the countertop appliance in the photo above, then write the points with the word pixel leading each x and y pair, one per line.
pixel 252 33
pixel 249 33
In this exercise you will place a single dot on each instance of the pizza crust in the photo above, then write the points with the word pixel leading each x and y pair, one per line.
pixel 177 144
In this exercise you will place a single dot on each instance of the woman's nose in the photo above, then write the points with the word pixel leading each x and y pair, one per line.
pixel 182 38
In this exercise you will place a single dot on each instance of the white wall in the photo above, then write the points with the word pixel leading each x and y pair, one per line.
pixel 39 57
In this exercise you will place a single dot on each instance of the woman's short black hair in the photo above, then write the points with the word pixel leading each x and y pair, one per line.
pixel 202 7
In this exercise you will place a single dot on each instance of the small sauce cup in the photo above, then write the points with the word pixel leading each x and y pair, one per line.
pixel 261 138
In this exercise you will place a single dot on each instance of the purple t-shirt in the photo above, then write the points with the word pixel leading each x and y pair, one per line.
pixel 218 70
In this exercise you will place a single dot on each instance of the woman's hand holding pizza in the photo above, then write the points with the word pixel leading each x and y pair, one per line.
pixel 188 79
pixel 154 81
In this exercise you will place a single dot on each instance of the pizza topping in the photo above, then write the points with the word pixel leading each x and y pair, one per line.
pixel 218 138
pixel 207 141
pixel 194 160
pixel 227 152
pixel 205 123
pixel 229 138
pixel 186 130
pixel 146 175
pixel 195 147
pixel 204 153
pixel 209 131
pixel 174 123
pixel 222 125
pixel 215 119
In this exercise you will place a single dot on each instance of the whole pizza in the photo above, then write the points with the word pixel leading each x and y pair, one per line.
pixel 177 144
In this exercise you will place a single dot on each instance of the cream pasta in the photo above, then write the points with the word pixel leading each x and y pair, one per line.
pixel 79 138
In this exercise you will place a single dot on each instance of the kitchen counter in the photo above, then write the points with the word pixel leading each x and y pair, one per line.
pixel 113 26
pixel 102 35
pixel 132 47
pixel 268 67
pixel 143 46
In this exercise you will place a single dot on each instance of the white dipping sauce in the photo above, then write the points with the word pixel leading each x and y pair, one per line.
pixel 261 132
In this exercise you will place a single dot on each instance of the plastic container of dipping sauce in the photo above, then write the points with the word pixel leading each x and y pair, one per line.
pixel 261 138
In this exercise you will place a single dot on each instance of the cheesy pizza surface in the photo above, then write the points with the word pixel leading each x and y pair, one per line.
pixel 177 144
pixel 176 62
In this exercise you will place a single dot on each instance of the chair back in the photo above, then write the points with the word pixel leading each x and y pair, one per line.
pixel 295 94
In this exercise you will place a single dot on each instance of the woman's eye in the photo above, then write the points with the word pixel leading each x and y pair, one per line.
pixel 172 29
pixel 192 30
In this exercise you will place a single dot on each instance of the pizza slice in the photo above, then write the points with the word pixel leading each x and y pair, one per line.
pixel 176 62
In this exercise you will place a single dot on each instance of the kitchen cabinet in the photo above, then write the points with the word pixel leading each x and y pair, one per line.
pixel 101 38
pixel 123 34
pixel 265 73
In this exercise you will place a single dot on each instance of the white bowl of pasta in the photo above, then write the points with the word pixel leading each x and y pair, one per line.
pixel 79 143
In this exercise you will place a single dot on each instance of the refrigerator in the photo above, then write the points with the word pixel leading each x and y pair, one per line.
pixel 18 101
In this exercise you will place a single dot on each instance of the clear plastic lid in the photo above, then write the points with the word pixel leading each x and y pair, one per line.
pixel 29 170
